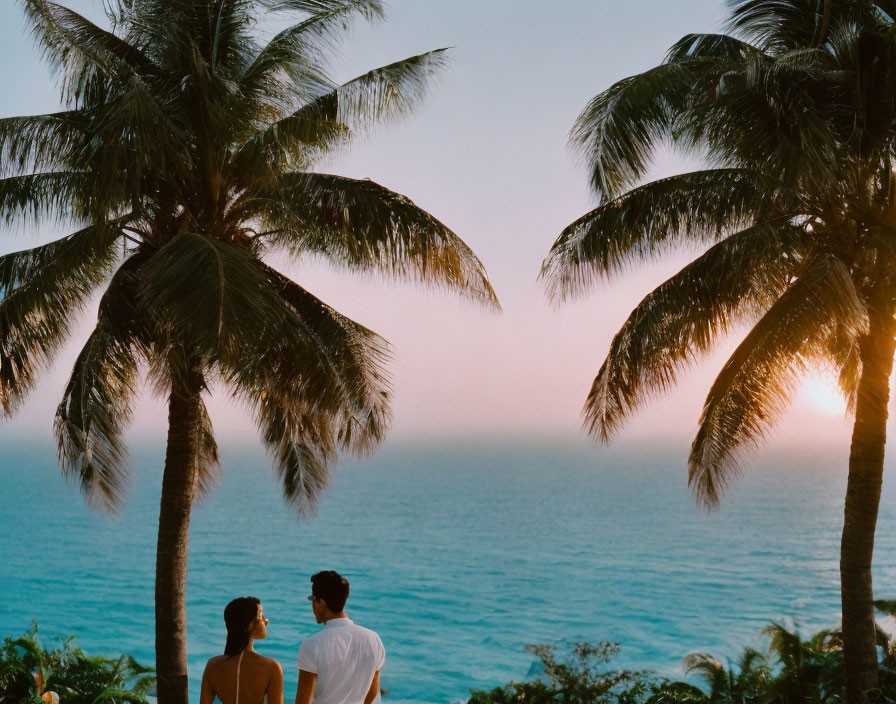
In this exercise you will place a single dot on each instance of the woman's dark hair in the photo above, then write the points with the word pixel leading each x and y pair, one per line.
pixel 239 615
pixel 332 587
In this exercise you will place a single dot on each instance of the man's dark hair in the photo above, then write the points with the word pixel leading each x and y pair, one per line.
pixel 332 587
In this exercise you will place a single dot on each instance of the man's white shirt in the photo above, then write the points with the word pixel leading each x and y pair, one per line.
pixel 345 657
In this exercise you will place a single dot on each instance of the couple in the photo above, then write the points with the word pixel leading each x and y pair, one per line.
pixel 338 665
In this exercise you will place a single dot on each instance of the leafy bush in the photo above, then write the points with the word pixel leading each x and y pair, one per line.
pixel 790 671
pixel 583 679
pixel 28 671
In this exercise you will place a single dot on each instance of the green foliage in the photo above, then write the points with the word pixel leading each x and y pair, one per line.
pixel 789 671
pixel 28 670
pixel 580 679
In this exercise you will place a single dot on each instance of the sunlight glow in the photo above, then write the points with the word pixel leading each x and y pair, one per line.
pixel 822 395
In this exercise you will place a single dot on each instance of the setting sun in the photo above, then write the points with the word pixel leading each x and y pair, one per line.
pixel 822 395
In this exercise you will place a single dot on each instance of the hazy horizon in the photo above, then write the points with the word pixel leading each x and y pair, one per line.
pixel 486 155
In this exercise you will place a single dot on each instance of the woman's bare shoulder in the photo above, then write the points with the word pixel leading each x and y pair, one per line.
pixel 215 662
pixel 274 666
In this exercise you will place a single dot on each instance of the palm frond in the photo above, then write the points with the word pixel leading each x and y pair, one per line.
pixel 755 385
pixel 213 298
pixel 297 141
pixel 135 140
pixel 209 292
pixel 208 461
pixel 386 93
pixel 358 355
pixel 305 425
pixel 717 46
pixel 786 645
pixel 704 664
pixel 682 318
pixel 886 606
pixel 764 113
pixel 364 226
pixel 84 255
pixel 370 9
pixel 39 142
pixel 619 128
pixel 93 415
pixel 693 207
pixel 303 447
pixel 41 291
pixel 784 24
pixel 78 48
pixel 228 43
pixel 844 356
pixel 57 194
pixel 299 51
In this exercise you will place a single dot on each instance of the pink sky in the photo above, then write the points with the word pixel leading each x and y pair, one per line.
pixel 487 155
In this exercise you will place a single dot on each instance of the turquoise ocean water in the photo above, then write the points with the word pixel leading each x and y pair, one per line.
pixel 458 555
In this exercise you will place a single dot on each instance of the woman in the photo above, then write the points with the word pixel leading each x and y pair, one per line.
pixel 240 675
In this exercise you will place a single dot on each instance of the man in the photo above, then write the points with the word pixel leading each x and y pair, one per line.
pixel 340 664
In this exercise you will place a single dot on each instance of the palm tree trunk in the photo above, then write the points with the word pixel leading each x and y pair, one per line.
pixel 178 485
pixel 866 464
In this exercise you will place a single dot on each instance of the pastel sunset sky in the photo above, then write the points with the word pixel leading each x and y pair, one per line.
pixel 486 155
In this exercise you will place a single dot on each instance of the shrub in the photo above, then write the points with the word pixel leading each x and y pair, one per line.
pixel 29 670
pixel 790 671
pixel 583 679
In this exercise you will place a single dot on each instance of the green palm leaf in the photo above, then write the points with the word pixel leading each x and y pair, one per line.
pixel 694 207
pixel 718 46
pixel 385 93
pixel 41 291
pixel 208 461
pixel 39 142
pixel 616 132
pixel 78 48
pixel 303 447
pixel 338 113
pixel 300 50
pixel 681 319
pixel 755 386
pixel 57 194
pixel 93 415
pixel 359 356
pixel 362 225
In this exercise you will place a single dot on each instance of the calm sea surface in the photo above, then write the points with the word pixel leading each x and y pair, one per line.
pixel 458 555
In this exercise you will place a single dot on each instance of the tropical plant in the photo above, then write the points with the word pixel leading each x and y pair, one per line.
pixel 793 111
pixel 29 670
pixel 789 670
pixel 185 155
pixel 737 683
pixel 792 671
pixel 581 678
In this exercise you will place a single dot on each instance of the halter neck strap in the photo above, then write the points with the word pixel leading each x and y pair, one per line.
pixel 238 666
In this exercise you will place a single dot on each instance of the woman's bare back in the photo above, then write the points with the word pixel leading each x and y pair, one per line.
pixel 259 677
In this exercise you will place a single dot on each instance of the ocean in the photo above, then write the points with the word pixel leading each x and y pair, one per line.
pixel 459 553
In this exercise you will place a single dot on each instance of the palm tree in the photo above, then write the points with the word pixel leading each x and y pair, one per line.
pixel 794 111
pixel 185 154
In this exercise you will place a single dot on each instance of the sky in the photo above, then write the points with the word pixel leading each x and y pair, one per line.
pixel 487 155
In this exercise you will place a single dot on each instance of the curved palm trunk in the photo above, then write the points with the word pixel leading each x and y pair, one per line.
pixel 866 464
pixel 174 527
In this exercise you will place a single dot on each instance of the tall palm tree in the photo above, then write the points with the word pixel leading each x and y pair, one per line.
pixel 794 112
pixel 185 154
